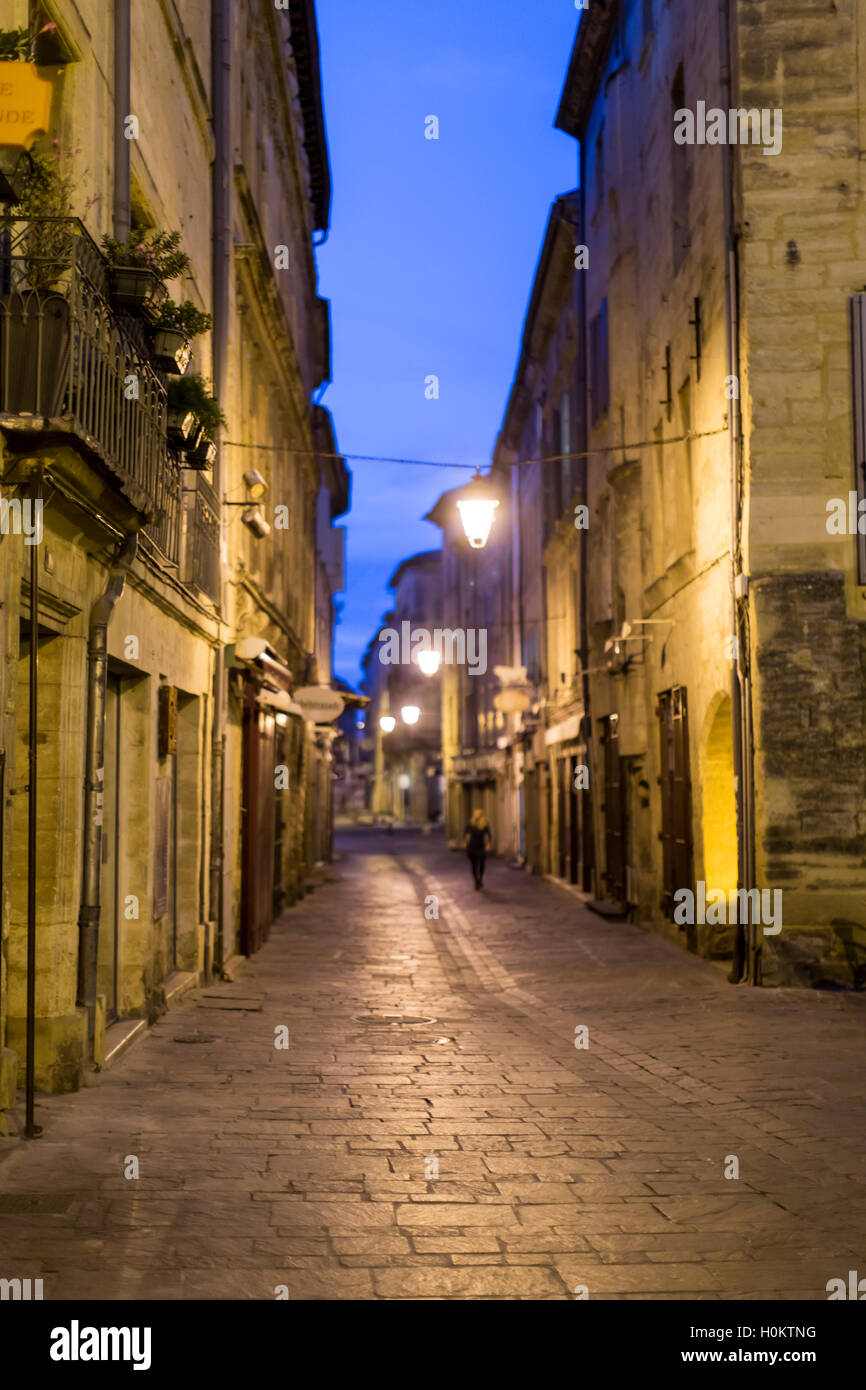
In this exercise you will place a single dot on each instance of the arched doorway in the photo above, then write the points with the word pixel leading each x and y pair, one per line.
pixel 719 824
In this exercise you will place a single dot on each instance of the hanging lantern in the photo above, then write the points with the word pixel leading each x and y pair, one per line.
pixel 387 723
pixel 476 507
pixel 410 714
pixel 429 661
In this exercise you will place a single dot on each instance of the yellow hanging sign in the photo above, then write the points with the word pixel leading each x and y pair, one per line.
pixel 25 104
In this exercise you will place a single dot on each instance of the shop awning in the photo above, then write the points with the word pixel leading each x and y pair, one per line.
pixel 254 654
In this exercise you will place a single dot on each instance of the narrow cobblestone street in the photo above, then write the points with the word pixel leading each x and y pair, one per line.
pixel 454 1039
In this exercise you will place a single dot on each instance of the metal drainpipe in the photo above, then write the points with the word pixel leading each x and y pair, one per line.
pixel 584 532
pixel 122 98
pixel 746 963
pixel 221 279
pixel 97 677
pixel 31 1129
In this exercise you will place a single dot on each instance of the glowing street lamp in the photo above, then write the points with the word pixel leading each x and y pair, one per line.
pixel 430 661
pixel 476 508
pixel 387 723
pixel 410 714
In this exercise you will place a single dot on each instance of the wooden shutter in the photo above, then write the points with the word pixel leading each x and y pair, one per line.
pixel 676 792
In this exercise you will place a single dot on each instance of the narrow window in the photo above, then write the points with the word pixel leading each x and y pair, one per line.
pixel 681 176
pixel 599 166
pixel 598 364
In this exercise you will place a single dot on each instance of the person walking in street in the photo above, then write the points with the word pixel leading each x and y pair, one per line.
pixel 476 842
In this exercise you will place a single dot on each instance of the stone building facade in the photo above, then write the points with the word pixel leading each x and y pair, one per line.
pixel 686 605
pixel 542 420
pixel 173 624
pixel 723 280
pixel 406 760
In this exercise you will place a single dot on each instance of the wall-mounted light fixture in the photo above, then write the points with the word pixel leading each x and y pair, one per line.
pixel 256 485
pixel 255 521
pixel 252 516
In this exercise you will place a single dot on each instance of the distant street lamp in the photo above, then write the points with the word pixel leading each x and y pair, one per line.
pixel 476 507
pixel 430 661
pixel 410 714
pixel 387 723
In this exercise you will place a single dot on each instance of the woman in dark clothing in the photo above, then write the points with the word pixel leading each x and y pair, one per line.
pixel 476 842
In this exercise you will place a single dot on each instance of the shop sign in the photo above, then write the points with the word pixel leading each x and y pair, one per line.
pixel 319 703
pixel 25 104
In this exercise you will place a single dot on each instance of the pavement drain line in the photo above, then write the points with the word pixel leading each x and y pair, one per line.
pixel 393 1020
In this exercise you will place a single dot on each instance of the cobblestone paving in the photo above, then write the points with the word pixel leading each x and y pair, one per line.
pixel 413 1040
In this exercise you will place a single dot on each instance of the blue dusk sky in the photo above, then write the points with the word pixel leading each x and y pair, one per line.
pixel 432 250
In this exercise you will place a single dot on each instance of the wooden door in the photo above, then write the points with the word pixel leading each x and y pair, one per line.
pixel 257 825
pixel 614 811
pixel 111 915
pixel 676 794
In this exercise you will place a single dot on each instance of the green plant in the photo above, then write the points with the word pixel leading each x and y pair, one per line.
pixel 191 393
pixel 14 45
pixel 45 186
pixel 185 317
pixel 153 250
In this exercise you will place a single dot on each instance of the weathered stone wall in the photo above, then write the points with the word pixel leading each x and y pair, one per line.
pixel 659 533
pixel 803 254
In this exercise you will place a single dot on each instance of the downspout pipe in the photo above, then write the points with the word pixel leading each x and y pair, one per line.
pixel 583 533
pixel 94 775
pixel 746 963
pixel 217 952
pixel 122 100
pixel 31 1129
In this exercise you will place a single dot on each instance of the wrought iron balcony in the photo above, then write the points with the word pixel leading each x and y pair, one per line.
pixel 73 370
pixel 202 549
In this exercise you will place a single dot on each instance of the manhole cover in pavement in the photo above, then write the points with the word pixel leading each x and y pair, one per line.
pixel 392 1020
pixel 195 1038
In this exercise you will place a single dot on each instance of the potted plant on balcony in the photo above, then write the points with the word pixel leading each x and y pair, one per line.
pixel 140 266
pixel 36 253
pixel 14 45
pixel 173 332
pixel 45 49
pixel 193 419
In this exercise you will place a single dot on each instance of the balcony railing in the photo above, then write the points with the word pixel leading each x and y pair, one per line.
pixel 70 364
pixel 202 551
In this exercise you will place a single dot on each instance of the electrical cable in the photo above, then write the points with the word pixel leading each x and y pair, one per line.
pixel 438 463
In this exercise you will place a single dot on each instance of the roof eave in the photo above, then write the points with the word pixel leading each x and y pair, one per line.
pixel 586 66
pixel 305 46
